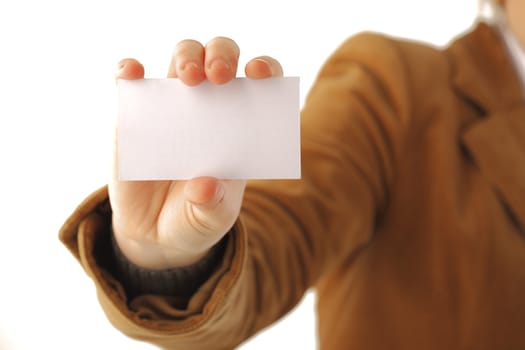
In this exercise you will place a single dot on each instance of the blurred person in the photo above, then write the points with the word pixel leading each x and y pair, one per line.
pixel 408 220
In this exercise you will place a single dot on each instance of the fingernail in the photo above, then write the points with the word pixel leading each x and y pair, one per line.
pixel 190 65
pixel 267 64
pixel 219 64
pixel 219 194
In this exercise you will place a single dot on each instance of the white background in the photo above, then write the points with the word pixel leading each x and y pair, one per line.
pixel 57 104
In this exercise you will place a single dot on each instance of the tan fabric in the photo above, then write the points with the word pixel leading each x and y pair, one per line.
pixel 409 219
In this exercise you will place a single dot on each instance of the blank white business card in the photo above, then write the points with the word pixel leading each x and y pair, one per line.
pixel 245 129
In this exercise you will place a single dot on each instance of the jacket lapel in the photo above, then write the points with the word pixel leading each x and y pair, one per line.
pixel 484 75
pixel 497 144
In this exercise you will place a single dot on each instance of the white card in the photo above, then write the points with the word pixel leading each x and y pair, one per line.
pixel 245 129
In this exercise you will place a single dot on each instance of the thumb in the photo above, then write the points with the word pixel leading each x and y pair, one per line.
pixel 205 192
pixel 214 204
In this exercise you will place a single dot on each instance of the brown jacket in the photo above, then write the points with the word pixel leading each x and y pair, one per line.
pixel 409 219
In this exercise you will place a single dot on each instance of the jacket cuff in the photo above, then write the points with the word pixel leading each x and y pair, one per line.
pixel 87 235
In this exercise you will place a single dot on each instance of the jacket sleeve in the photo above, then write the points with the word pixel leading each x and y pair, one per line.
pixel 289 233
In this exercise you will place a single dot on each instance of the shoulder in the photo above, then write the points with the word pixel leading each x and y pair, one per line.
pixel 380 50
pixel 399 68
pixel 395 60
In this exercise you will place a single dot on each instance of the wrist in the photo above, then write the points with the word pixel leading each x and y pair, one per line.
pixel 154 256
pixel 180 281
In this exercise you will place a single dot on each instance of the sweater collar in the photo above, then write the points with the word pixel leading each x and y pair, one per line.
pixel 515 49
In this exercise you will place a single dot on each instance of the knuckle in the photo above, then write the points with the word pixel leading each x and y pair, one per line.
pixel 188 42
pixel 186 46
pixel 197 223
pixel 224 43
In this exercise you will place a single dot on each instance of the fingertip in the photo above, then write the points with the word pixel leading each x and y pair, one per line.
pixel 219 71
pixel 221 60
pixel 191 73
pixel 129 69
pixel 263 67
pixel 204 190
pixel 187 62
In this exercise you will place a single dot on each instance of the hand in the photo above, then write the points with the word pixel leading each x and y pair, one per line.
pixel 165 224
